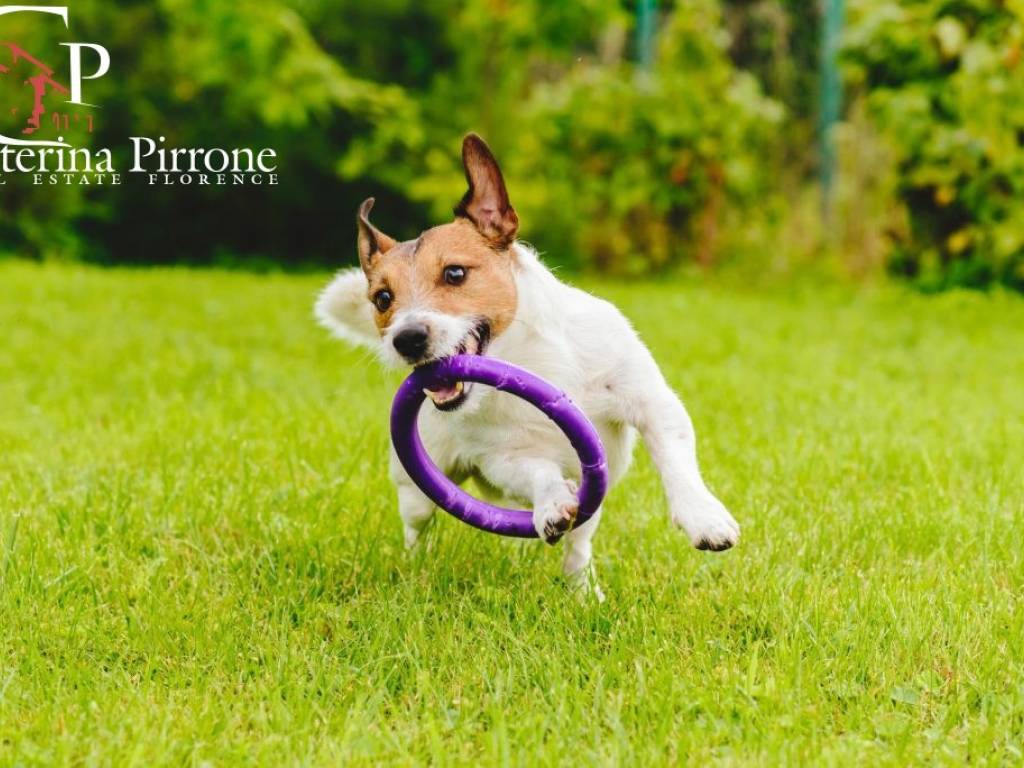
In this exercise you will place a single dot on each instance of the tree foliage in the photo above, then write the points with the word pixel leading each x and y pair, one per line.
pixel 944 81
pixel 611 167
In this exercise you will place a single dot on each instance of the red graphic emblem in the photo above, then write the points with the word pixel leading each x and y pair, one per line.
pixel 39 78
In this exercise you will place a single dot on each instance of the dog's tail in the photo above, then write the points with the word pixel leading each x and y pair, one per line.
pixel 343 309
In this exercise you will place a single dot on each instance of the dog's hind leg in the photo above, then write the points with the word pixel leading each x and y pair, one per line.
pixel 578 564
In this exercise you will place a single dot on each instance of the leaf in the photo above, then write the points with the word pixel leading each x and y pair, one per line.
pixel 951 36
pixel 905 695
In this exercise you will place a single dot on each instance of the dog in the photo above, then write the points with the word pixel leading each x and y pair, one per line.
pixel 469 287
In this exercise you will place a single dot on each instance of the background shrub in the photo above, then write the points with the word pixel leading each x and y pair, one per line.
pixel 707 151
pixel 944 83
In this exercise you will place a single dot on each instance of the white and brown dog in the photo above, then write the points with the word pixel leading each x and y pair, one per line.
pixel 469 287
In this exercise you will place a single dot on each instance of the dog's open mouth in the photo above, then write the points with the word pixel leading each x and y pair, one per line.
pixel 450 397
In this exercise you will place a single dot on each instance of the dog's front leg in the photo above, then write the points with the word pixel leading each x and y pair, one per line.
pixel 414 507
pixel 659 415
pixel 541 481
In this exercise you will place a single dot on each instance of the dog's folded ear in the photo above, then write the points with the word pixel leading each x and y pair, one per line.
pixel 371 240
pixel 486 201
pixel 343 309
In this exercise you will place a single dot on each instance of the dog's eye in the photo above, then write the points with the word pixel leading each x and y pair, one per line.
pixel 382 300
pixel 455 275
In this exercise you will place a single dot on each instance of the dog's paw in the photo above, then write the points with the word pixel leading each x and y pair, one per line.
pixel 411 535
pixel 707 522
pixel 556 512
pixel 583 585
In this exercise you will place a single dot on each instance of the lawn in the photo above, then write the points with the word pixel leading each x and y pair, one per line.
pixel 200 557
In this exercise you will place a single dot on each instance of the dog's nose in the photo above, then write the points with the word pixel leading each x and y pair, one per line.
pixel 411 342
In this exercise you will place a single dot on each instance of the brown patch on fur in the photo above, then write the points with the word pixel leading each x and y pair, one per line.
pixel 478 240
pixel 413 272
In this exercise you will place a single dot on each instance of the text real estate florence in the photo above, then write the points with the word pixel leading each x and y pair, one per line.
pixel 159 165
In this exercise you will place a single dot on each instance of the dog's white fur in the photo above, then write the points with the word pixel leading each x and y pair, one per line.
pixel 586 347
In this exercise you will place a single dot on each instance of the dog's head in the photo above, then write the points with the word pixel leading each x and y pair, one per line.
pixel 451 290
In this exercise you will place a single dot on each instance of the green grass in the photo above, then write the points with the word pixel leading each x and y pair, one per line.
pixel 200 557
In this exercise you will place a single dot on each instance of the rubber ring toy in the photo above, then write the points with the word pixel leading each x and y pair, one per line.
pixel 504 377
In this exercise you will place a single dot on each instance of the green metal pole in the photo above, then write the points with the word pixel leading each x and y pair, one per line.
pixel 832 13
pixel 645 32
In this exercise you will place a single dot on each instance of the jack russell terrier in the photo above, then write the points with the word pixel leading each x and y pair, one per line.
pixel 468 287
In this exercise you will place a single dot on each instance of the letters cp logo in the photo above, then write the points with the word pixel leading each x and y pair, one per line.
pixel 41 79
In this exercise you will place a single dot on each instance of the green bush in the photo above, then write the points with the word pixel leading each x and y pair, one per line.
pixel 203 73
pixel 640 169
pixel 612 167
pixel 944 82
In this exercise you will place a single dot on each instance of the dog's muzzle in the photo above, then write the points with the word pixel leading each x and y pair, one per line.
pixel 451 397
pixel 411 342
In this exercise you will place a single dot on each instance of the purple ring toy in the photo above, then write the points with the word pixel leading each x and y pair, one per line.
pixel 504 377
